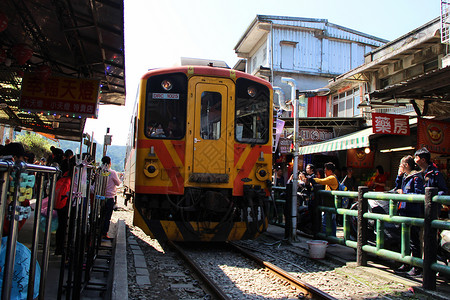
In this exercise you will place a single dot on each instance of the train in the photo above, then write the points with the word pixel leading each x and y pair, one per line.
pixel 199 154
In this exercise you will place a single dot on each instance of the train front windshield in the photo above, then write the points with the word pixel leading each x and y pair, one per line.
pixel 252 112
pixel 166 106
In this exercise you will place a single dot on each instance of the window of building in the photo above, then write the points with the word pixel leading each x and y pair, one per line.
pixel 345 105
pixel 287 55
pixel 356 102
pixel 254 63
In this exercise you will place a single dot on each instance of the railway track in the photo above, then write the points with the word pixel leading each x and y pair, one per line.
pixel 285 280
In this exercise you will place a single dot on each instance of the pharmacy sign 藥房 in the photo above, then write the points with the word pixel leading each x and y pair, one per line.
pixel 390 124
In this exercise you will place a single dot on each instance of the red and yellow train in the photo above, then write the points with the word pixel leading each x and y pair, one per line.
pixel 199 154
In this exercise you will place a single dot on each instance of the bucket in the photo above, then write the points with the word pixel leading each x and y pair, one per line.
pixel 317 248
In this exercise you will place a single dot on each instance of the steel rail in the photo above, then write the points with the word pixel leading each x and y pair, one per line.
pixel 310 292
pixel 218 292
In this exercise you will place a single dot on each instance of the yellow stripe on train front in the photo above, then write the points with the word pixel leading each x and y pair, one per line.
pixel 238 231
pixel 173 233
pixel 243 157
pixel 139 222
pixel 173 153
pixel 171 230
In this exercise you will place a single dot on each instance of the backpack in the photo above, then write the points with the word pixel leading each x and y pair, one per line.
pixel 62 189
pixel 342 187
pixel 345 200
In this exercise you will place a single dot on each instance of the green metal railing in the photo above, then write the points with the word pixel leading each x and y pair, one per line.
pixel 329 202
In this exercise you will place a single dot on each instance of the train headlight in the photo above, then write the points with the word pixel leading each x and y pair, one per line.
pixel 151 170
pixel 262 174
pixel 166 85
pixel 251 90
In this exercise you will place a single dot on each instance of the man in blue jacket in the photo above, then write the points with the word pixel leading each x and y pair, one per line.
pixel 432 176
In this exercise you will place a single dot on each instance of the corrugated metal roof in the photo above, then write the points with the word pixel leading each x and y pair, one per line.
pixel 329 29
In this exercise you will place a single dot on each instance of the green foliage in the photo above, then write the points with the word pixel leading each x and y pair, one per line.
pixel 35 143
pixel 117 153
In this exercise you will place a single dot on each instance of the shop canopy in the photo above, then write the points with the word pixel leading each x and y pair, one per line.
pixel 359 139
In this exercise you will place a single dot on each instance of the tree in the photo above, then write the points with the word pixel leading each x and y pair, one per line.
pixel 35 143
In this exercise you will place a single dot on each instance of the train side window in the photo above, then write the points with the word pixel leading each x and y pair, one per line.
pixel 211 115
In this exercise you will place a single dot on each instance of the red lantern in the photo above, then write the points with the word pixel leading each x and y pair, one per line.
pixel 44 71
pixel 22 53
pixel 2 55
pixel 3 22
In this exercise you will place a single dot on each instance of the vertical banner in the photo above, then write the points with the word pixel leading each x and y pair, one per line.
pixel 434 135
pixel 278 131
pixel 357 158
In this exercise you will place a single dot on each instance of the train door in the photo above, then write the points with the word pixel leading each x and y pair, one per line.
pixel 210 128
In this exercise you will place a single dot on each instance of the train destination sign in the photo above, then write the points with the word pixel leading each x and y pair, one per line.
pixel 165 96
pixel 60 95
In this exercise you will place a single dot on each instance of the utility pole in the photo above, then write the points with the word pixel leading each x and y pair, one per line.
pixel 297 95
pixel 107 141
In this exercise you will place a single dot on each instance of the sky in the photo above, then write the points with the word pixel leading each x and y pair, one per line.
pixel 159 32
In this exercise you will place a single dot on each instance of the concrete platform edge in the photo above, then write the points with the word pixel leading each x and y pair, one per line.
pixel 120 280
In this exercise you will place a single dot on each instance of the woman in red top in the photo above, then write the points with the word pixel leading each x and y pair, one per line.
pixel 378 182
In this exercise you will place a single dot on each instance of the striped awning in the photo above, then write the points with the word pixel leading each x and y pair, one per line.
pixel 359 139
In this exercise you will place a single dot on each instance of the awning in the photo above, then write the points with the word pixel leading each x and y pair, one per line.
pixel 359 139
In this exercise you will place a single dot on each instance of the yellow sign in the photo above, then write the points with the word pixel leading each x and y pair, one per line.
pixel 60 94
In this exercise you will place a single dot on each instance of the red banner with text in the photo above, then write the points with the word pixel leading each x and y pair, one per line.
pixel 390 124
pixel 71 96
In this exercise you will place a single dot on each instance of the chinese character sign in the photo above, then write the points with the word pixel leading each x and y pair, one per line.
pixel 310 136
pixel 285 145
pixel 390 124
pixel 434 135
pixel 60 94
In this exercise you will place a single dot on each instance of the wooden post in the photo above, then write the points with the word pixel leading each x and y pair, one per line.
pixel 430 239
pixel 361 257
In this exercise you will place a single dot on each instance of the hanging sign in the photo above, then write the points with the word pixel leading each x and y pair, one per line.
pixel 64 95
pixel 434 135
pixel 310 136
pixel 390 124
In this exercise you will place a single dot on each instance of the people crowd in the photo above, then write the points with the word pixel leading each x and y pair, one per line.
pixel 415 173
pixel 65 161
